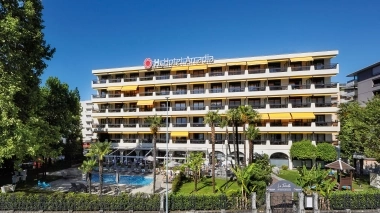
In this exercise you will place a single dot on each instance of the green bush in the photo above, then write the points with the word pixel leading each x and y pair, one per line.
pixel 355 200
pixel 206 202
pixel 284 167
pixel 177 182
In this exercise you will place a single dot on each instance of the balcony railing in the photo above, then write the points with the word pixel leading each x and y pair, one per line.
pixel 197 125
pixel 253 88
pixel 216 107
pixel 260 124
pixel 114 110
pixel 130 109
pixel 218 141
pixel 99 96
pixel 301 123
pixel 259 142
pixel 198 75
pixel 130 140
pixel 179 108
pixel 180 92
pixel 301 105
pixel 274 70
pixel 198 107
pixel 325 67
pixel 276 106
pixel 232 106
pixel 160 140
pixel 178 76
pixel 279 142
pixel 276 124
pixel 130 79
pixel 161 109
pixel 258 106
pixel 114 95
pixel 236 89
pixel 197 91
pixel 180 125
pixel 114 125
pixel 324 123
pixel 146 94
pixel 132 125
pixel 197 141
pixel 323 104
pixel 211 74
pixel 163 77
pixel 163 93
pixel 216 90
pixel 278 87
pixel 256 71
pixel 331 85
pixel 305 86
pixel 237 72
pixel 145 125
pixel 147 78
pixel 182 141
pixel 114 80
pixel 301 68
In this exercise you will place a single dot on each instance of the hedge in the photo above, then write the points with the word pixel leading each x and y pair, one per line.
pixel 355 200
pixel 125 202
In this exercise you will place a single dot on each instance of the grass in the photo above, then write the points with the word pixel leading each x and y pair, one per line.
pixel 205 186
pixel 290 175
pixel 359 184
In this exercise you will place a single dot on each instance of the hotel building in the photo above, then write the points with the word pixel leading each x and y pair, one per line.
pixel 292 93
pixel 86 119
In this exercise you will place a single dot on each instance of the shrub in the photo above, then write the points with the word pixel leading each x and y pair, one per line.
pixel 355 200
pixel 284 167
pixel 177 182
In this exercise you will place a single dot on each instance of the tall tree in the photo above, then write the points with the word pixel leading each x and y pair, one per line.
pixel 248 116
pixel 99 150
pixel 251 133
pixel 212 118
pixel 194 162
pixel 224 124
pixel 155 123
pixel 233 116
pixel 23 56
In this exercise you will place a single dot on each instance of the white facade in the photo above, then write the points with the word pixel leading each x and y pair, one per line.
pixel 292 92
pixel 86 119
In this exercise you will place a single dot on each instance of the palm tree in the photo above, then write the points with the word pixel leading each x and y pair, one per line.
pixel 251 133
pixel 100 150
pixel 87 167
pixel 224 124
pixel 212 118
pixel 155 125
pixel 233 116
pixel 247 115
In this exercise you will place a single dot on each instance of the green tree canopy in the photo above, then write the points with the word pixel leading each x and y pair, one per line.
pixel 303 150
pixel 326 152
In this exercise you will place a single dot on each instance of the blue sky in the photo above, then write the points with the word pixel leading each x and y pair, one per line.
pixel 92 34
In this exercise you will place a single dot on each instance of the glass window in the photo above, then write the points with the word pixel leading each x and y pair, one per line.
pixel 181 120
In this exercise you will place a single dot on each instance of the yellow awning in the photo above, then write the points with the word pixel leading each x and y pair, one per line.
pixel 113 88
pixel 179 134
pixel 277 60
pixel 264 116
pixel 303 115
pixel 257 62
pixel 302 59
pixel 280 116
pixel 145 103
pixel 129 88
pixel 217 65
pixel 323 57
pixel 236 63
pixel 198 67
pixel 179 68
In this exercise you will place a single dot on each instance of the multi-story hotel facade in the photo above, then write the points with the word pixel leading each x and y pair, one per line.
pixel 291 92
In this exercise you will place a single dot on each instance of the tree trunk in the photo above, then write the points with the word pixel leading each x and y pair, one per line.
pixel 237 152
pixel 245 154
pixel 251 152
pixel 154 162
pixel 100 177
pixel 229 147
pixel 195 180
pixel 213 156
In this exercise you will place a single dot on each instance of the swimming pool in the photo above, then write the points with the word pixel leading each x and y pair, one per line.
pixel 134 180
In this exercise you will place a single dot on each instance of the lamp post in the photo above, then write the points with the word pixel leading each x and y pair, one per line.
pixel 167 155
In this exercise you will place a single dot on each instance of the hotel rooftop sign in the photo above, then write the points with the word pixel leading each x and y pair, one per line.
pixel 164 63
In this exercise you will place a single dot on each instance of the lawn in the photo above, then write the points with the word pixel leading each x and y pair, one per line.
pixel 205 186
pixel 359 184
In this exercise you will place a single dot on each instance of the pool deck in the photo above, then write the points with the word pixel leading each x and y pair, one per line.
pixel 74 175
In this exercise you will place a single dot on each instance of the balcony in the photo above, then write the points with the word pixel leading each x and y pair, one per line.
pixel 259 142
pixel 130 109
pixel 351 83
pixel 212 74
pixel 180 92
pixel 324 123
pixel 301 68
pixel 305 86
pixel 237 72
pixel 198 75
pixel 114 95
pixel 236 89
pixel 162 109
pixel 198 108
pixel 163 93
pixel 276 106
pixel 297 123
pixel 256 71
pixel 179 108
pixel 219 141
pixel 197 91
pixel 325 104
pixel 301 105
pixel 147 78
pixel 131 125
pixel 114 125
pixel 180 125
pixel 259 106
pixel 278 87
pixel 253 88
pixel 279 142
pixel 146 94
pixel 216 90
pixel 130 140
pixel 331 85
pixel 179 76
pixel 180 141
pixel 355 92
pixel 197 125
pixel 197 141
pixel 114 110
pixel 279 69
pixel 216 107
pixel 325 67
pixel 163 77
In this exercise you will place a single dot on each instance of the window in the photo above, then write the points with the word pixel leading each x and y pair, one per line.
pixel 253 67
pixel 199 136
pixel 234 68
pixel 181 120
pixel 254 102
pixel 198 73
pixel 253 84
pixel 219 137
pixel 234 102
pixel 133 75
pixel 318 81
pixel 88 116
pixel 198 105
pixel 118 120
pixel 319 100
pixel 216 88
pixel 180 105
pixel 198 120
pixel 320 118
pixel 296 137
pixel 320 137
pixel 376 71
pixel 376 82
pixel 198 89
pixel 274 137
pixel 133 120
pixel 181 89
pixel 235 87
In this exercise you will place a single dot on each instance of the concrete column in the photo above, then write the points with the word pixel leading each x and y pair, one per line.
pixel 267 199
pixel 315 202
pixel 253 200
pixel 301 208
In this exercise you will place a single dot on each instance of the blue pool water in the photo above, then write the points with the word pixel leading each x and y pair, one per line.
pixel 124 179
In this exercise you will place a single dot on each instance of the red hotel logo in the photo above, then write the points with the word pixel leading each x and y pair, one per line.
pixel 148 63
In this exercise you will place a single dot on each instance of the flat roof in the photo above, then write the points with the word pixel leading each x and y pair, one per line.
pixel 216 61
pixel 366 68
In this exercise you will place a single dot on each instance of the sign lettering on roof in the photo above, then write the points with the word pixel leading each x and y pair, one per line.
pixel 163 63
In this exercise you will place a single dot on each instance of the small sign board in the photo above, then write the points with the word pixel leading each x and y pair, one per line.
pixel 284 186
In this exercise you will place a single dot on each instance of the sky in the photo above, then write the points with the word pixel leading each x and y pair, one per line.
pixel 91 34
